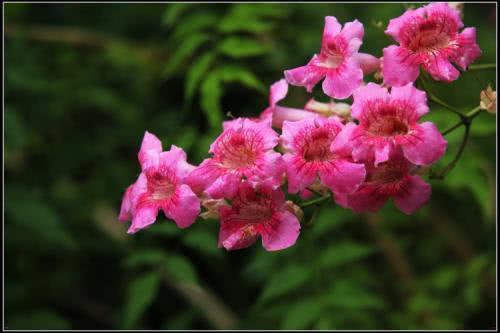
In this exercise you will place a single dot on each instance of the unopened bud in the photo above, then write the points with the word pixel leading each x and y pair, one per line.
pixel 342 110
pixel 212 208
pixel 294 209
pixel 489 100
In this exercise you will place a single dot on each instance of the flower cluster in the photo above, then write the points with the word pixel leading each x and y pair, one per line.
pixel 362 153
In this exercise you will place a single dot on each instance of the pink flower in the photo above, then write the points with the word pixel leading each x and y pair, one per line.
pixel 258 210
pixel 338 62
pixel 276 114
pixel 160 186
pixel 428 36
pixel 308 156
pixel 243 150
pixel 390 179
pixel 390 121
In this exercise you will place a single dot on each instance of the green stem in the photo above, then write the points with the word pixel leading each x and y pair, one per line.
pixel 467 122
pixel 466 119
pixel 482 66
pixel 437 100
pixel 315 201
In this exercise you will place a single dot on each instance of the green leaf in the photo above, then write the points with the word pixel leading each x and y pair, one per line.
pixel 211 93
pixel 342 253
pixel 140 295
pixel 233 73
pixel 173 12
pixel 146 257
pixel 191 25
pixel 239 47
pixel 186 48
pixel 244 19
pixel 180 269
pixel 286 280
pixel 39 219
pixel 346 294
pixel 203 241
pixel 195 73
pixel 301 315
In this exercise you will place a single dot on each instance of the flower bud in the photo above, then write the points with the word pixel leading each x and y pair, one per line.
pixel 294 209
pixel 489 100
pixel 342 110
pixel 212 207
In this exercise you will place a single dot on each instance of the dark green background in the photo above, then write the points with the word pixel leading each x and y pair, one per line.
pixel 82 84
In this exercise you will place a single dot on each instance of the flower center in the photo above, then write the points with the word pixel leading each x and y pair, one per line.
pixel 161 186
pixel 255 212
pixel 239 151
pixel 332 55
pixel 429 36
pixel 318 147
pixel 385 174
pixel 388 126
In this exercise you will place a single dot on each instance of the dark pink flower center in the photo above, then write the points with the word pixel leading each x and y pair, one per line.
pixel 388 126
pixel 316 147
pixel 239 150
pixel 385 174
pixel 161 185
pixel 333 53
pixel 429 34
pixel 256 212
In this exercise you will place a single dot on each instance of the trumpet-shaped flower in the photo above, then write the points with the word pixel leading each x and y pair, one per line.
pixel 160 186
pixel 258 210
pixel 338 61
pixel 275 114
pixel 392 179
pixel 429 37
pixel 308 156
pixel 390 121
pixel 243 151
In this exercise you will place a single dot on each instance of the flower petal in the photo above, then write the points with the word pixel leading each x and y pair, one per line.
pixel 282 232
pixel 126 207
pixel 399 66
pixel 306 76
pixel 300 174
pixel 383 150
pixel 143 217
pixel 235 235
pixel 396 24
pixel 367 62
pixel 428 147
pixel 352 30
pixel 175 159
pixel 366 199
pixel 183 208
pixel 343 176
pixel 224 186
pixel 364 94
pixel 342 81
pixel 414 194
pixel 441 69
pixel 411 96
pixel 282 114
pixel 204 175
pixel 469 51
pixel 278 91
pixel 342 144
pixel 151 147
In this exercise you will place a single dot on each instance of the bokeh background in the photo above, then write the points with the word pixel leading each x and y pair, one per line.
pixel 82 84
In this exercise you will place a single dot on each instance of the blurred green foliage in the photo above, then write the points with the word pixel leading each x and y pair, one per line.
pixel 77 103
